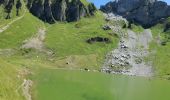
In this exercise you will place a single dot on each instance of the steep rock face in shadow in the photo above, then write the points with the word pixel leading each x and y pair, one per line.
pixel 144 12
pixel 8 6
pixel 51 10
pixel 74 8
pixel 1 2
pixel 60 10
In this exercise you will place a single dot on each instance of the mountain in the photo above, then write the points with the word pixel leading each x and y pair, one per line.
pixel 68 50
pixel 27 38
pixel 144 12
pixel 60 10
pixel 51 10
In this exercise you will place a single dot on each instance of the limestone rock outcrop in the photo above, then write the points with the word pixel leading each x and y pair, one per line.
pixel 51 11
pixel 60 10
pixel 144 12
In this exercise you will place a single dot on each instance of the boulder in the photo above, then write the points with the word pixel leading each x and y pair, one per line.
pixel 167 27
pixel 107 27
pixel 98 39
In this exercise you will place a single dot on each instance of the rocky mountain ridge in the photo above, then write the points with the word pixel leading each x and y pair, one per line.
pixel 144 12
pixel 51 10
pixel 60 10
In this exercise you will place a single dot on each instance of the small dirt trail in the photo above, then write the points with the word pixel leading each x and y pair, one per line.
pixel 26 88
pixel 128 57
pixel 36 42
pixel 3 28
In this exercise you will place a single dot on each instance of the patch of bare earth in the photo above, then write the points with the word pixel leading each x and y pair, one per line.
pixel 27 84
pixel 26 88
pixel 37 42
pixel 7 52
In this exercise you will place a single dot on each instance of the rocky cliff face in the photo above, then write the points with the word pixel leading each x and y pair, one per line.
pixel 60 10
pixel 51 10
pixel 8 5
pixel 144 12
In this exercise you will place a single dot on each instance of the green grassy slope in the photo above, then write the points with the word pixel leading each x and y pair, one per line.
pixel 20 31
pixel 66 40
pixel 161 56
pixel 68 43
pixel 12 38
pixel 84 2
pixel 3 14
pixel 69 39
pixel 9 82
pixel 76 85
pixel 162 61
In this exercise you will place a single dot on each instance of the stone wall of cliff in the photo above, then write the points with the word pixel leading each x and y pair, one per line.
pixel 144 12
pixel 8 5
pixel 51 10
pixel 60 10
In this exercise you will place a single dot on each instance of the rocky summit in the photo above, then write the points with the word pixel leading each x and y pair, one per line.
pixel 144 12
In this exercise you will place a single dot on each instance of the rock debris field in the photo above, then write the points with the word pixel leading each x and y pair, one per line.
pixel 128 57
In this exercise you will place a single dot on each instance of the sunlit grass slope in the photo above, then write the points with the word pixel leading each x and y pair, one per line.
pixel 3 14
pixel 161 54
pixel 75 85
pixel 9 82
pixel 19 31
pixel 67 39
